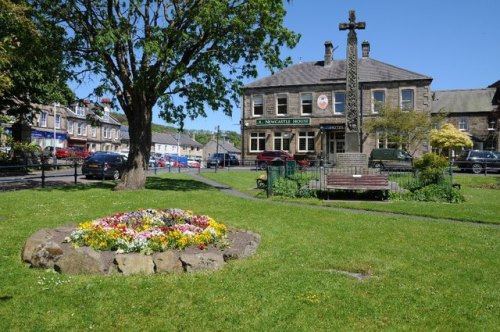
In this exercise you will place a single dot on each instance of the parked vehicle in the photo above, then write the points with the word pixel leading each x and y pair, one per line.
pixel 62 153
pixel 79 152
pixel 104 165
pixel 234 160
pixel 221 160
pixel 267 158
pixel 193 163
pixel 395 159
pixel 477 161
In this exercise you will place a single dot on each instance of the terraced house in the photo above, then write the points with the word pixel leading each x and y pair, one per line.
pixel 302 108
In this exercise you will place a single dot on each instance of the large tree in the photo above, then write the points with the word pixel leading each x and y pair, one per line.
pixel 407 129
pixel 178 55
pixel 32 64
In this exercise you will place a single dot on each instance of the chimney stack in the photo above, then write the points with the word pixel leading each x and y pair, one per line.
pixel 328 53
pixel 365 46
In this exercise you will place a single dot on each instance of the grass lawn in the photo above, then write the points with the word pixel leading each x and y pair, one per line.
pixel 482 194
pixel 424 275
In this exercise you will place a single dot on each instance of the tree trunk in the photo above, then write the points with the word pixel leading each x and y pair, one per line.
pixel 139 117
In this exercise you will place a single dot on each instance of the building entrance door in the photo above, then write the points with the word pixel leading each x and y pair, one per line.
pixel 336 144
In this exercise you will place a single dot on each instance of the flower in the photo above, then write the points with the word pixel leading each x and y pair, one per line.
pixel 149 230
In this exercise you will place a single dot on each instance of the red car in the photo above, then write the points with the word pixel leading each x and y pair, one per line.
pixel 79 152
pixel 62 153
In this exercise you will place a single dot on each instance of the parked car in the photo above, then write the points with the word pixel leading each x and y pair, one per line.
pixel 221 160
pixel 193 163
pixel 234 160
pixel 104 165
pixel 477 161
pixel 62 153
pixel 395 159
pixel 79 152
pixel 267 158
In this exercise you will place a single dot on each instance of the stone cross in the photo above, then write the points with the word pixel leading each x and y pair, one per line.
pixel 352 140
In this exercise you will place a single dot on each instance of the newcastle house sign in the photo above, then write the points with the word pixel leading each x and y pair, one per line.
pixel 283 122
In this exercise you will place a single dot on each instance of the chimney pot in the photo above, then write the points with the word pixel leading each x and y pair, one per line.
pixel 365 46
pixel 328 53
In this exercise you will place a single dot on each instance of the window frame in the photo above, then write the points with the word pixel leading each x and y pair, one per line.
pixel 402 101
pixel 43 119
pixel 307 103
pixel 308 138
pixel 279 106
pixel 70 126
pixel 254 97
pixel 463 123
pixel 257 137
pixel 376 104
pixel 335 102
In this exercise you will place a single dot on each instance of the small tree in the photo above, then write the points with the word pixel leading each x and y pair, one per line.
pixel 407 129
pixel 449 138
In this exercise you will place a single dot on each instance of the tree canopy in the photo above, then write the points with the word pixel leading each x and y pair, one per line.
pixel 449 138
pixel 181 56
pixel 406 129
pixel 32 63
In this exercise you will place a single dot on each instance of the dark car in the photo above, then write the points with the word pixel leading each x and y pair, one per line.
pixel 104 165
pixel 477 161
pixel 266 158
pixel 395 159
pixel 220 159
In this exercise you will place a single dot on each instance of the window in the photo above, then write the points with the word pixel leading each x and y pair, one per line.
pixel 306 99
pixel 407 96
pixel 282 141
pixel 383 142
pixel 58 121
pixel 258 105
pixel 378 100
pixel 94 131
pixel 70 127
pixel 306 141
pixel 84 132
pixel 463 124
pixel 339 102
pixel 79 128
pixel 80 111
pixel 281 104
pixel 43 120
pixel 257 142
pixel 112 135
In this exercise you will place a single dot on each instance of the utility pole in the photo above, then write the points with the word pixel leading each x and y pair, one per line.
pixel 217 147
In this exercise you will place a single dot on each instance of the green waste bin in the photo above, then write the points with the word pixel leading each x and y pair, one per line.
pixel 290 168
pixel 273 173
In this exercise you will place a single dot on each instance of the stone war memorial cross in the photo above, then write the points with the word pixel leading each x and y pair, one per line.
pixel 352 139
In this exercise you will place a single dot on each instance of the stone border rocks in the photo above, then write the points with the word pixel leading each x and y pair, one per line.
pixel 47 249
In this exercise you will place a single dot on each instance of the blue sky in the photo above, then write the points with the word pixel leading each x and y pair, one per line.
pixel 457 43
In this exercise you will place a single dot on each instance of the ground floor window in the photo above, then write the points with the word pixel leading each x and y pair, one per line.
pixel 257 142
pixel 282 141
pixel 306 141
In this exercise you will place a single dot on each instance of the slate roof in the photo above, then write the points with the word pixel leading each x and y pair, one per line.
pixel 226 146
pixel 463 101
pixel 315 73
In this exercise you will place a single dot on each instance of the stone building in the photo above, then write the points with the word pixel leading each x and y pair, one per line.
pixel 302 108
pixel 472 111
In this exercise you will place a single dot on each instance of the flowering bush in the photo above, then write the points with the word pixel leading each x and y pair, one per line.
pixel 149 230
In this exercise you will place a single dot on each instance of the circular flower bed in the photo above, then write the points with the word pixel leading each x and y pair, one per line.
pixel 148 231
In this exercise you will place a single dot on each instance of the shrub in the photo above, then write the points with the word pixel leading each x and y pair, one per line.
pixel 431 193
pixel 431 168
pixel 293 187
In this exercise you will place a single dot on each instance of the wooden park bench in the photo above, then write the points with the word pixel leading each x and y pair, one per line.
pixel 366 182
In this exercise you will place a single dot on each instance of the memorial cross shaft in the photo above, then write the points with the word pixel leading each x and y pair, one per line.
pixel 352 138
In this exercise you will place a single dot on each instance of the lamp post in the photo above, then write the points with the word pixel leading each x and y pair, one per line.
pixel 54 138
pixel 217 149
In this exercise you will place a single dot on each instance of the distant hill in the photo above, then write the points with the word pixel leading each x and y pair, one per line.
pixel 200 136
